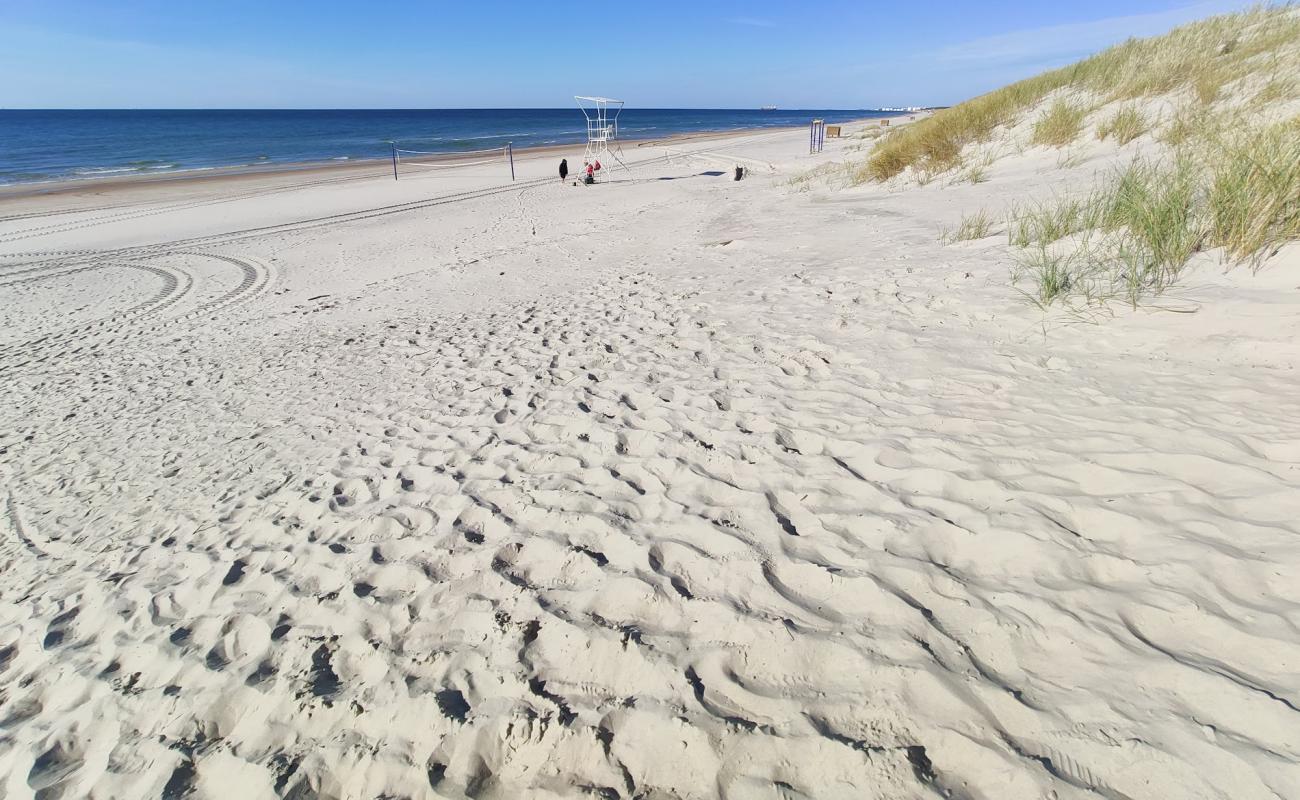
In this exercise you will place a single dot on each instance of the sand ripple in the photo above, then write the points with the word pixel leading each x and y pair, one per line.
pixel 595 543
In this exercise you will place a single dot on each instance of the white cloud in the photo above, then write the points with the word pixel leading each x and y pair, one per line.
pixel 1072 39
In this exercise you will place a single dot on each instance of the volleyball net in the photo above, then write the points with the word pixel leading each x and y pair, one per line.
pixel 493 161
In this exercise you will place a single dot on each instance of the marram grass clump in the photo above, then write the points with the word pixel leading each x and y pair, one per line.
pixel 1133 237
pixel 1125 125
pixel 1050 273
pixel 1047 222
pixel 972 226
pixel 1060 124
pixel 1253 198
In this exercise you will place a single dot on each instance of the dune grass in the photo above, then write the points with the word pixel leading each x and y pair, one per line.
pixel 1060 124
pixel 1208 85
pixel 1203 58
pixel 935 144
pixel 1050 273
pixel 975 168
pixel 1192 123
pixel 1153 211
pixel 1277 89
pixel 1133 237
pixel 976 173
pixel 1253 198
pixel 1048 222
pixel 1125 125
pixel 972 226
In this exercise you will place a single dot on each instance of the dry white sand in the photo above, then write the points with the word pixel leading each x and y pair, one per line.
pixel 669 487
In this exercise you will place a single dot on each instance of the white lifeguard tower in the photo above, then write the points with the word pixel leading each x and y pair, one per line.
pixel 602 132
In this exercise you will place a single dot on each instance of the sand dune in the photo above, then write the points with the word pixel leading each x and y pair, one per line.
pixel 661 488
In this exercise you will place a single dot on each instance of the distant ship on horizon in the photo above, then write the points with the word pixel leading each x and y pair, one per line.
pixel 767 108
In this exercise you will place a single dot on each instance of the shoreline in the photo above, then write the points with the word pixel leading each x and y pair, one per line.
pixel 358 168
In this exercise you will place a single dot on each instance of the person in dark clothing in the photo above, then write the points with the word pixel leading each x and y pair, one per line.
pixel 564 168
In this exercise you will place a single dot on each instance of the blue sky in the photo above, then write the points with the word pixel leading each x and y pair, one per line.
pixel 430 54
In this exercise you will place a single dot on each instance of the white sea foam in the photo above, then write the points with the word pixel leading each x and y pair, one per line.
pixel 102 170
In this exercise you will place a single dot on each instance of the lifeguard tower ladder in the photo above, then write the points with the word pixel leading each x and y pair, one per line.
pixel 602 132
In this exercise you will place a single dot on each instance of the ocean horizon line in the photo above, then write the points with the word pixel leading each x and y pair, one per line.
pixel 52 145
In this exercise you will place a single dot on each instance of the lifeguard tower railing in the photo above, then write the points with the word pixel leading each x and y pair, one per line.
pixel 602 117
pixel 602 130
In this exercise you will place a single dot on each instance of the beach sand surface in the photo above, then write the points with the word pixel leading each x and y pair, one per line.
pixel 330 485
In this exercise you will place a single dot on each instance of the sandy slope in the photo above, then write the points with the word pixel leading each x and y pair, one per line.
pixel 663 488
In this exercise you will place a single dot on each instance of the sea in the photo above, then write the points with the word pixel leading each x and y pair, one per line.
pixel 43 146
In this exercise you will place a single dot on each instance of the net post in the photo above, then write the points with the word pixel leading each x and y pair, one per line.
pixel 510 153
pixel 394 144
pixel 816 136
